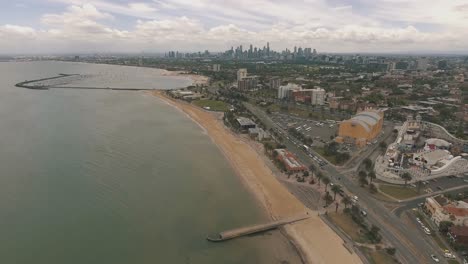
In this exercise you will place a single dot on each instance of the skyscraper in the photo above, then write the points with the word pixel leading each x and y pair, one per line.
pixel 241 74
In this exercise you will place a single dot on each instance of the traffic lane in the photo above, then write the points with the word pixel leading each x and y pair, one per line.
pixel 441 184
pixel 409 248
pixel 409 251
pixel 414 223
pixel 405 206
pixel 392 228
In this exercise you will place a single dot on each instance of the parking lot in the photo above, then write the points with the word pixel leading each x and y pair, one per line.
pixel 444 183
pixel 320 131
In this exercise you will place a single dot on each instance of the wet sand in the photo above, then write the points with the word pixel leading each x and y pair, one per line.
pixel 196 79
pixel 316 242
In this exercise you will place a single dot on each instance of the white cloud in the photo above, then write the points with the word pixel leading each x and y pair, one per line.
pixel 204 24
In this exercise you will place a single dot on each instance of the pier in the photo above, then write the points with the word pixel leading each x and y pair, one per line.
pixel 253 229
pixel 30 85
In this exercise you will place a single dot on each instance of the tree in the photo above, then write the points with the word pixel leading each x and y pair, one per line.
pixel 305 174
pixel 373 188
pixel 419 184
pixel 383 145
pixel 363 181
pixel 319 177
pixel 371 176
pixel 312 168
pixel 407 177
pixel 367 163
pixel 374 235
pixel 444 226
pixel 328 198
pixel 335 189
pixel 362 175
pixel 326 181
pixel 391 251
pixel 346 201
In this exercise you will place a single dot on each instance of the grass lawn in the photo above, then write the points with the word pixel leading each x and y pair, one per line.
pixel 399 192
pixel 213 105
pixel 331 159
pixel 378 256
pixel 348 226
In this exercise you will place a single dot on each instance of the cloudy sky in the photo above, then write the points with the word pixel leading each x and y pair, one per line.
pixel 57 26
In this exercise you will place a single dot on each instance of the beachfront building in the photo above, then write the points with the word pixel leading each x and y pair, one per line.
pixel 289 160
pixel 361 129
pixel 247 83
pixel 245 123
pixel 441 210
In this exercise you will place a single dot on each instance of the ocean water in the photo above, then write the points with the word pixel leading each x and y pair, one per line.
pixel 116 176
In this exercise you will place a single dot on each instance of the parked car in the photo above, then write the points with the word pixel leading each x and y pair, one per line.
pixel 364 213
pixel 434 258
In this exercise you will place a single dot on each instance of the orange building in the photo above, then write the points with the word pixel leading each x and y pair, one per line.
pixel 290 161
pixel 361 129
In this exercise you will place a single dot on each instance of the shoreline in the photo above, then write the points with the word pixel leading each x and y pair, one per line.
pixel 195 78
pixel 314 240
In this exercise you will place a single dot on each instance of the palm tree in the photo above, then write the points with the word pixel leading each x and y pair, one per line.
pixel 326 181
pixel 335 189
pixel 319 177
pixel 367 163
pixel 312 168
pixel 328 199
pixel 363 181
pixel 419 184
pixel 371 176
pixel 362 174
pixel 346 201
pixel 407 177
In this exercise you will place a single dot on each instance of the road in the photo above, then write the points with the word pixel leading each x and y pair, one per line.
pixel 411 247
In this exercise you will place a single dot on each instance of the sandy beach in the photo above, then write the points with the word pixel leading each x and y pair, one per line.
pixel 196 79
pixel 313 238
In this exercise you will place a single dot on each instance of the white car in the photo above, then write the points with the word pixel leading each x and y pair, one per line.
pixel 449 255
pixel 427 231
pixel 435 259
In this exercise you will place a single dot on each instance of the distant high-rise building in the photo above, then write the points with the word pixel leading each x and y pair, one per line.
pixel 241 73
pixel 391 66
pixel 318 96
pixel 314 52
pixel 216 67
pixel 247 83
pixel 285 90
pixel 275 83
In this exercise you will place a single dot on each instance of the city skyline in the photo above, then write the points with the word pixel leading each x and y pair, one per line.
pixel 388 26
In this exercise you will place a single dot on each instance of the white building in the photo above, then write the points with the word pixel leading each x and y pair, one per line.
pixel 318 96
pixel 284 90
pixel 241 73
pixel 216 67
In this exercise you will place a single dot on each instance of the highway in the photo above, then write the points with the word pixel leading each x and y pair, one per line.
pixel 411 247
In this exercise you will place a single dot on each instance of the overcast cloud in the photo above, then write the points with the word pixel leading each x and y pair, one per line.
pixel 56 26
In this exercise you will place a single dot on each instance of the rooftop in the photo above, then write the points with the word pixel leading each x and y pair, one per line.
pixel 244 121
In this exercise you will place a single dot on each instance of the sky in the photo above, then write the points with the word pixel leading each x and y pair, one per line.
pixel 108 26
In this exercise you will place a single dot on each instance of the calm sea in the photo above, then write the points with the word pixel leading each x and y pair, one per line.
pixel 115 177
